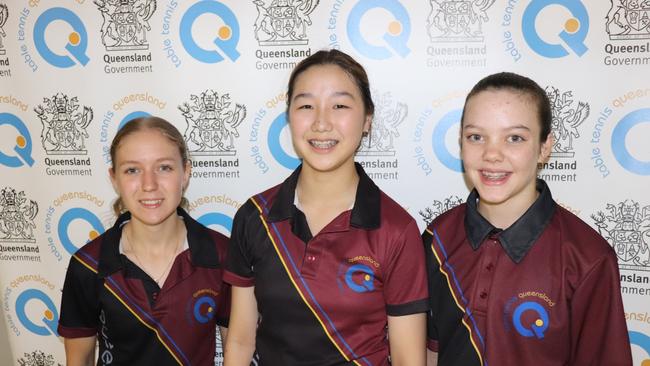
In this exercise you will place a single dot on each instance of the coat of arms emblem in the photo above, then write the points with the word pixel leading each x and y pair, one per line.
pixel 626 227
pixel 283 22
pixel 388 115
pixel 438 207
pixel 628 19
pixel 566 118
pixel 126 23
pixel 4 15
pixel 212 122
pixel 64 125
pixel 17 216
pixel 37 358
pixel 454 21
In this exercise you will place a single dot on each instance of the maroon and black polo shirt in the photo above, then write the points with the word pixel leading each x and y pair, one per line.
pixel 324 300
pixel 135 321
pixel 544 291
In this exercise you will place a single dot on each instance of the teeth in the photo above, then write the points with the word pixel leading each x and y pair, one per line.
pixel 492 175
pixel 320 144
pixel 151 202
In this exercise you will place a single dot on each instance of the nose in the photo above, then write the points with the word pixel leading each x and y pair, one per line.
pixel 149 181
pixel 493 152
pixel 322 122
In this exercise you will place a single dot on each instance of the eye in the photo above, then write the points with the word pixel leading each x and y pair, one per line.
pixel 130 170
pixel 474 137
pixel 516 138
pixel 166 168
pixel 340 106
pixel 305 106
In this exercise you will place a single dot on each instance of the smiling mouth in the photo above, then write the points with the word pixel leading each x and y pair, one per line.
pixel 151 203
pixel 495 176
pixel 323 144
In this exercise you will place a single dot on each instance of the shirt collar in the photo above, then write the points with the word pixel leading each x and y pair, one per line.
pixel 365 213
pixel 517 239
pixel 203 252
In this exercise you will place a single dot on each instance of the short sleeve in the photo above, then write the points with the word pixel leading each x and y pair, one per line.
pixel 598 330
pixel 239 266
pixel 432 270
pixel 79 301
pixel 405 289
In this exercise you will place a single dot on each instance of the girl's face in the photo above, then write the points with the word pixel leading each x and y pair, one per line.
pixel 500 147
pixel 149 176
pixel 327 118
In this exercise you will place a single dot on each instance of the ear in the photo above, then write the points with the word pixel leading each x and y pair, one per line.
pixel 187 171
pixel 545 149
pixel 367 124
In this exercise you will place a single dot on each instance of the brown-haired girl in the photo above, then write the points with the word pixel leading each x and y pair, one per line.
pixel 329 266
pixel 149 289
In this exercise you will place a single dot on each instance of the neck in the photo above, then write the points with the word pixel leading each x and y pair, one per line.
pixel 503 215
pixel 336 187
pixel 156 238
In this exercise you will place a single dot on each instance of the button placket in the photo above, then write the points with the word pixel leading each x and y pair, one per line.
pixel 486 272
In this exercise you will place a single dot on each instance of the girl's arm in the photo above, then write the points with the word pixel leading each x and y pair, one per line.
pixel 80 351
pixel 407 339
pixel 240 343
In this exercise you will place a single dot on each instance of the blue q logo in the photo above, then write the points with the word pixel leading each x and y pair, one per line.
pixel 23 147
pixel 50 315
pixel 78 213
pixel 77 39
pixel 439 136
pixel 216 218
pixel 130 116
pixel 397 31
pixel 619 147
pixel 227 36
pixel 273 141
pixel 540 325
pixel 204 309
pixel 367 275
pixel 574 32
pixel 642 341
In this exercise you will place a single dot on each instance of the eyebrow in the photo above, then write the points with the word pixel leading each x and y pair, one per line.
pixel 335 94
pixel 126 162
pixel 516 127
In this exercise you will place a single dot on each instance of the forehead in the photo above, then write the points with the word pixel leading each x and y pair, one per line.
pixel 325 76
pixel 146 144
pixel 502 104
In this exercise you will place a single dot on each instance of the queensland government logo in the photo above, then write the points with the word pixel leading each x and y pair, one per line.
pixel 217 41
pixel 391 41
pixel 438 207
pixel 567 116
pixel 281 32
pixel 17 214
pixel 124 34
pixel 64 133
pixel 628 23
pixel 4 61
pixel 212 122
pixel 37 358
pixel 455 30
pixel 35 311
pixel 377 151
pixel 570 25
pixel 626 226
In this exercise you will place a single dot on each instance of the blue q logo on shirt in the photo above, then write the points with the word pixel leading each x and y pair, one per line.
pixel 204 309
pixel 286 159
pixel 77 39
pixel 47 324
pixel 23 146
pixel 538 327
pixel 619 147
pixel 397 31
pixel 78 213
pixel 573 33
pixel 439 140
pixel 227 35
pixel 360 278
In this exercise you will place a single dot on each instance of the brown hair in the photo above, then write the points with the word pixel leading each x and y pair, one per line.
pixel 346 63
pixel 148 123
pixel 521 84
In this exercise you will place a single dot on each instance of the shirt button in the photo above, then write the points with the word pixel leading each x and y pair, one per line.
pixel 483 295
pixel 489 267
pixel 311 258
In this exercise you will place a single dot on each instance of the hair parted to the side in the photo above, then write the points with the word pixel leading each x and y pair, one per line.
pixel 346 63
pixel 523 85
pixel 149 123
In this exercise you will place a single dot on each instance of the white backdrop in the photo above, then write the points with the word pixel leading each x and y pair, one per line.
pixel 72 72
